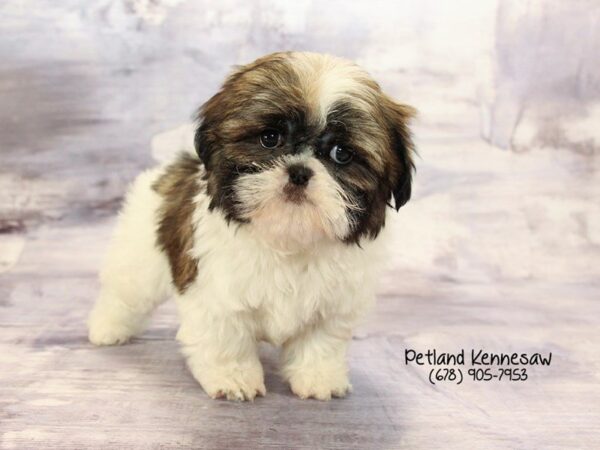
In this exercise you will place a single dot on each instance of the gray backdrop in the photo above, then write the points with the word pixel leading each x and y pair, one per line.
pixel 499 248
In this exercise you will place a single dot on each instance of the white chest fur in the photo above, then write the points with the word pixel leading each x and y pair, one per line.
pixel 278 292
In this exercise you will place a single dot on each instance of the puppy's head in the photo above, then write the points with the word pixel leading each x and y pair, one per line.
pixel 303 147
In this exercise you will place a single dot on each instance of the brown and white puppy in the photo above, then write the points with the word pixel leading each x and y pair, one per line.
pixel 272 233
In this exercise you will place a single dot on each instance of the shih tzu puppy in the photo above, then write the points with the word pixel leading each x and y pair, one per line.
pixel 271 232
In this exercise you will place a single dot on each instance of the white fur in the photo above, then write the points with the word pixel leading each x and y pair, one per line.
pixel 135 277
pixel 305 296
pixel 289 226
pixel 327 79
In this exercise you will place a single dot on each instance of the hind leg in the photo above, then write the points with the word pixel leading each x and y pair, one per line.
pixel 135 277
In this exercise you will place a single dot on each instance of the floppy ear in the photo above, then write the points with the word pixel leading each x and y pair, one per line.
pixel 198 144
pixel 215 111
pixel 209 115
pixel 201 143
pixel 403 149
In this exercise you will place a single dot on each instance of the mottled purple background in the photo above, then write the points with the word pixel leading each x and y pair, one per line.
pixel 499 248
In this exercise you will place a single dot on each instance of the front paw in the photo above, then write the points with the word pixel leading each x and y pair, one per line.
pixel 320 384
pixel 233 382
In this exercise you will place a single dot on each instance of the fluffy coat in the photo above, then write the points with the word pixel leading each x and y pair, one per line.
pixel 250 254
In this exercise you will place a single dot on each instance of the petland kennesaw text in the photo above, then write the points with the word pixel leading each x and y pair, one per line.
pixel 478 358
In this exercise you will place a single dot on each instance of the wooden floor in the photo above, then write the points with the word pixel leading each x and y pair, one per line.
pixel 497 251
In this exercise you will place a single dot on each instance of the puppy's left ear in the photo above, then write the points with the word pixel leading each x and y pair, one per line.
pixel 399 117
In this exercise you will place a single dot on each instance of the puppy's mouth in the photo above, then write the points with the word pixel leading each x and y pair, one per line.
pixel 294 204
pixel 293 193
pixel 299 176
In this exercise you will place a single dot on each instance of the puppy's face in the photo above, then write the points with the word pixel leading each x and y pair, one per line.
pixel 303 147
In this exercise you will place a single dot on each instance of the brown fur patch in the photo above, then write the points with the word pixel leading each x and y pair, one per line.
pixel 178 186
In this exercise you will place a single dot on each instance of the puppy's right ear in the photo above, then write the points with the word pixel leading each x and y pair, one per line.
pixel 209 117
pixel 202 145
pixel 214 112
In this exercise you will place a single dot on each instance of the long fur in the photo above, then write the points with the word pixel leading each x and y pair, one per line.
pixel 249 256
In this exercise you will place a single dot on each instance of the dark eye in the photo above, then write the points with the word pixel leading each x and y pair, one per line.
pixel 341 155
pixel 270 138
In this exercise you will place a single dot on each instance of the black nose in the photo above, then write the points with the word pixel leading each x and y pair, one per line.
pixel 299 174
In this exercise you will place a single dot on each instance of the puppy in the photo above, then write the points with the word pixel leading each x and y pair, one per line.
pixel 271 232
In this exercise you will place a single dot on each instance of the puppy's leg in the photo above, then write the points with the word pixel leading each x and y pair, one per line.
pixel 222 353
pixel 135 276
pixel 314 363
